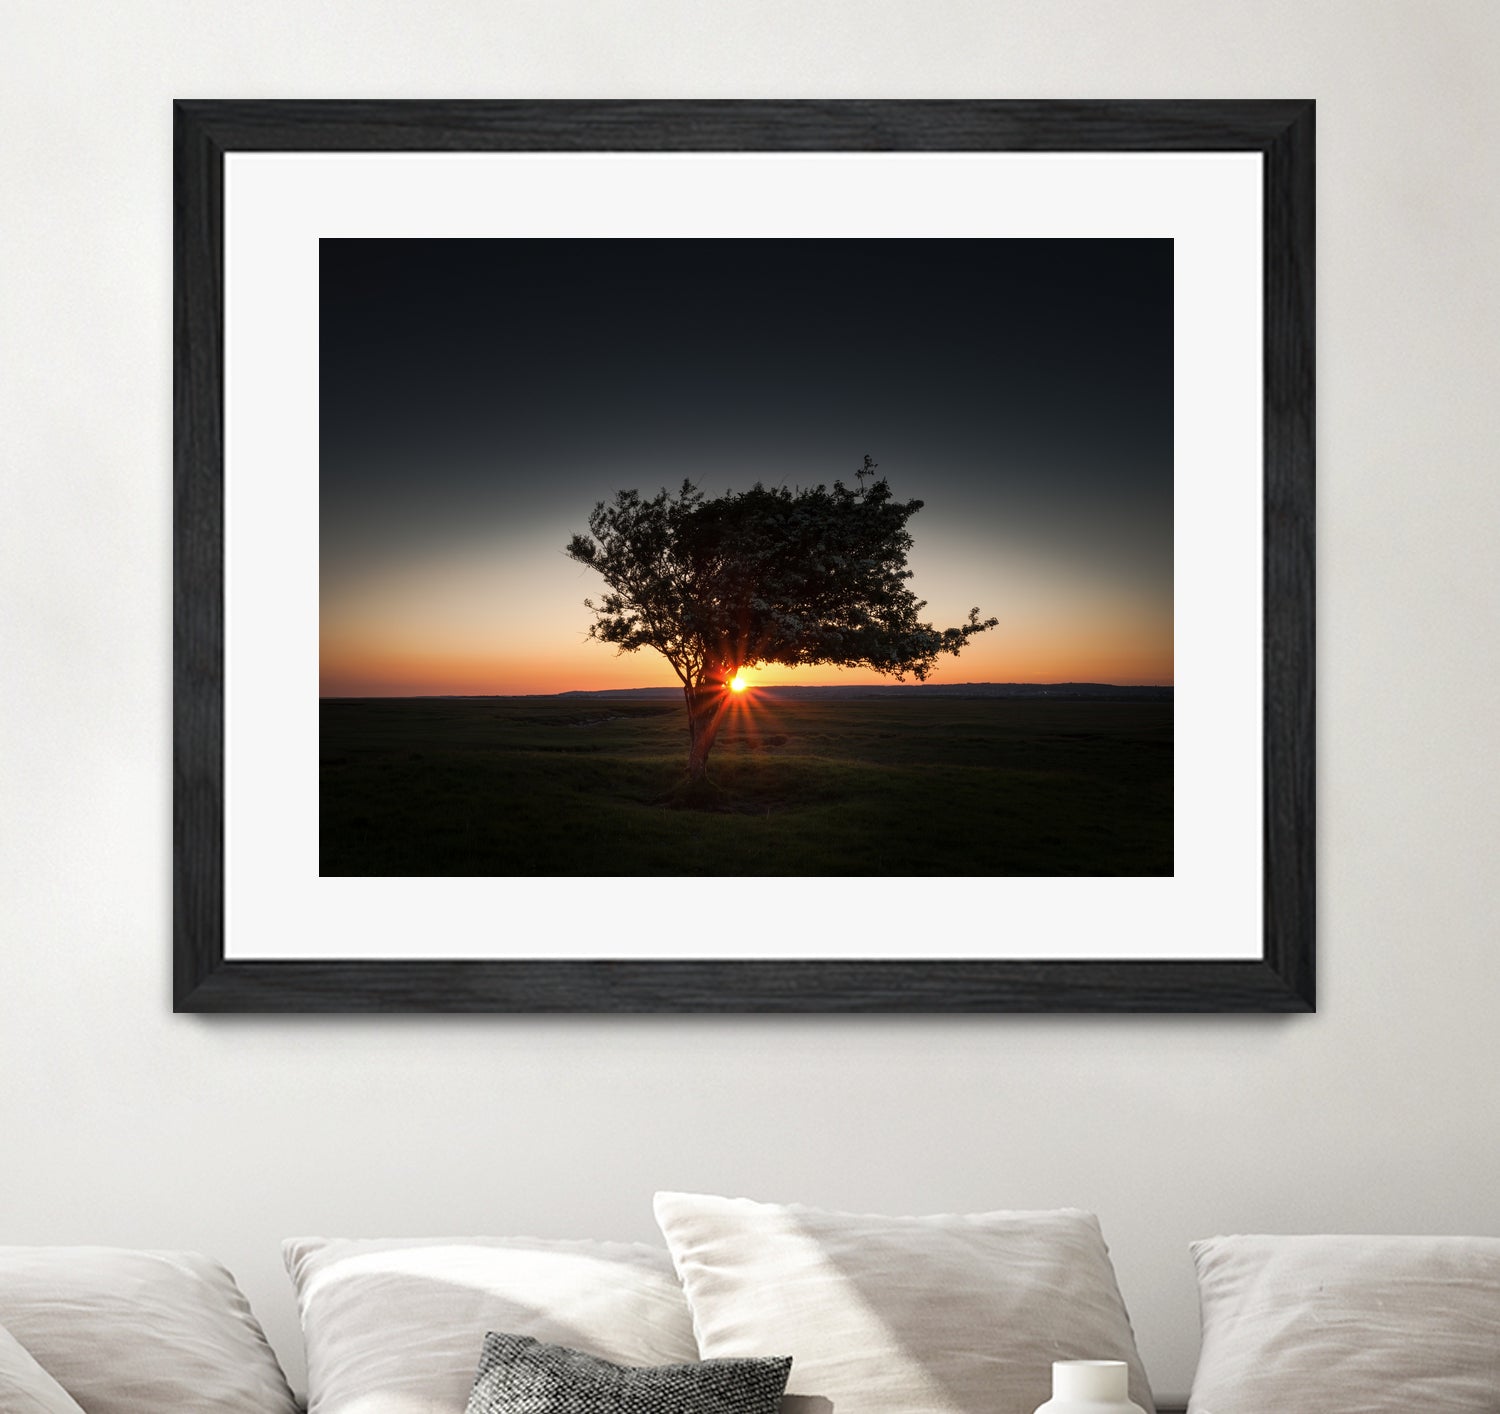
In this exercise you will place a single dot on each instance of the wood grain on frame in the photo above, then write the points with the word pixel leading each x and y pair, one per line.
pixel 1281 981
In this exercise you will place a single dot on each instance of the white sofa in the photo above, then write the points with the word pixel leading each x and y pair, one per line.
pixel 947 1314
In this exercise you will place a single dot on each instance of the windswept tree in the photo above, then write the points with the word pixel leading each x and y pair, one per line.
pixel 767 575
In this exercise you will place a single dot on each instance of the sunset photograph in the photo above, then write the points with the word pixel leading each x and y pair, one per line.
pixel 770 556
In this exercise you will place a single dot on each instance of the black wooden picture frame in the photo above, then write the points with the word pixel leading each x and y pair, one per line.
pixel 1281 980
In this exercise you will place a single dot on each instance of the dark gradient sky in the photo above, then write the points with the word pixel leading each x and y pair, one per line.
pixel 478 397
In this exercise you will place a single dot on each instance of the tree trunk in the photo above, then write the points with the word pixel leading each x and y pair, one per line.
pixel 706 701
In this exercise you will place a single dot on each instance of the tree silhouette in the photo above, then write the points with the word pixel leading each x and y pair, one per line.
pixel 767 575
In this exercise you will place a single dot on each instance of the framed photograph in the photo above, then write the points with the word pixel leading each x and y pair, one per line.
pixel 744 556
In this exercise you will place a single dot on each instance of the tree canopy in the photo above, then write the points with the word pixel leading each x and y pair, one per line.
pixel 768 575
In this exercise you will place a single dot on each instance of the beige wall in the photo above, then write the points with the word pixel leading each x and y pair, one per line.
pixel 122 1123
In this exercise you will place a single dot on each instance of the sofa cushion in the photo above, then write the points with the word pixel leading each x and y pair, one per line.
pixel 887 1315
pixel 397 1327
pixel 128 1332
pixel 26 1388
pixel 519 1375
pixel 1348 1325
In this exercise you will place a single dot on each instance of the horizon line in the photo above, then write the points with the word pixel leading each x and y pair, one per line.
pixel 759 687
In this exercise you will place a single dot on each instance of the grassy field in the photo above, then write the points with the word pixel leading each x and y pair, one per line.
pixel 925 785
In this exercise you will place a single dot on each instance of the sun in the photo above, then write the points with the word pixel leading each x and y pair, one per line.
pixel 737 683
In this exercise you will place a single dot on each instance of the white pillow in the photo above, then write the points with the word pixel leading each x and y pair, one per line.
pixel 397 1327
pixel 26 1388
pixel 890 1315
pixel 140 1332
pixel 1348 1325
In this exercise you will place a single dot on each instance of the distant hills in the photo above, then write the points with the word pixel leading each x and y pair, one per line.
pixel 834 692
pixel 1064 691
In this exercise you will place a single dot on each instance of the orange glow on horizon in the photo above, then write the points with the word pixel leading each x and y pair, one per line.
pixel 472 623
pixel 393 672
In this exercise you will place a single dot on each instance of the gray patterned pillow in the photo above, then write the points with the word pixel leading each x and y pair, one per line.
pixel 519 1375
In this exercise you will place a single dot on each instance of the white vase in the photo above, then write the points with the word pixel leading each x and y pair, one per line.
pixel 1090 1387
